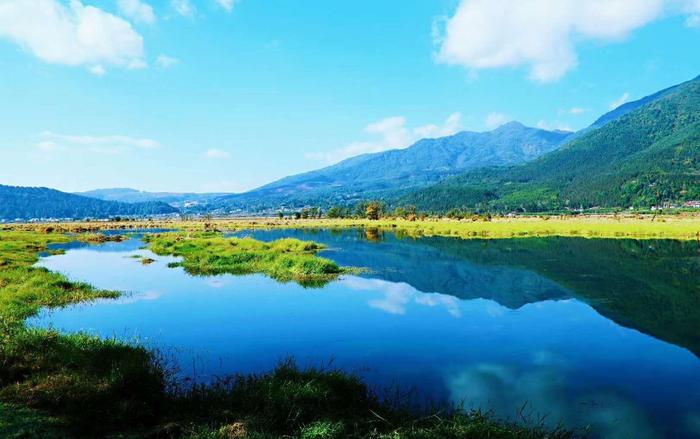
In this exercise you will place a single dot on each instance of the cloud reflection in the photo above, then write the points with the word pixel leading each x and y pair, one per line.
pixel 398 296
pixel 136 297
pixel 543 391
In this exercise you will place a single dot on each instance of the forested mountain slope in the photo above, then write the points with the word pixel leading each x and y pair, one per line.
pixel 425 162
pixel 647 156
pixel 28 202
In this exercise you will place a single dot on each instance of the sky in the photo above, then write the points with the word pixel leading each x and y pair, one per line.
pixel 227 95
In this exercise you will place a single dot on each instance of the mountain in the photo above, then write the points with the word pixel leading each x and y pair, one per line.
pixel 29 202
pixel 631 106
pixel 645 154
pixel 423 163
pixel 175 199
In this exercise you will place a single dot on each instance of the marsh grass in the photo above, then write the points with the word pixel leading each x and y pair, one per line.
pixel 22 422
pixel 681 226
pixel 56 385
pixel 207 253
pixel 25 288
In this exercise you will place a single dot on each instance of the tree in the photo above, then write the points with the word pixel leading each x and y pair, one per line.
pixel 373 210
pixel 207 221
pixel 335 212
pixel 280 214
pixel 361 209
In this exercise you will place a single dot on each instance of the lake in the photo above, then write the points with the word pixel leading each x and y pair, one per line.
pixel 601 335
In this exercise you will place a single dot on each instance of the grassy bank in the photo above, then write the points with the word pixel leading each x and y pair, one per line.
pixel 628 227
pixel 55 385
pixel 24 288
pixel 681 226
pixel 209 253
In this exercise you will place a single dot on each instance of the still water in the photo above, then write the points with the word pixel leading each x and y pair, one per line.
pixel 597 334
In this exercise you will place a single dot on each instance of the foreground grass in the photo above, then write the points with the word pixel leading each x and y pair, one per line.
pixel 681 226
pixel 58 386
pixel 208 253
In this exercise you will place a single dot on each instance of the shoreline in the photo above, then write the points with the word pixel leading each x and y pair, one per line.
pixel 678 227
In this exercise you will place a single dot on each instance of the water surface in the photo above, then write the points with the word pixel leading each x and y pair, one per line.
pixel 602 334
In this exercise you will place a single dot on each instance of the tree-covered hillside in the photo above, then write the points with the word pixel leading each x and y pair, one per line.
pixel 646 157
pixel 383 174
pixel 27 203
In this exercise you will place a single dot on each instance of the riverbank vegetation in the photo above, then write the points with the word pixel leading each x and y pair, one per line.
pixel 210 253
pixel 56 385
pixel 650 226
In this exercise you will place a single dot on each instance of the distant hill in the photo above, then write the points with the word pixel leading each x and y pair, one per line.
pixel 424 163
pixel 30 202
pixel 128 195
pixel 645 153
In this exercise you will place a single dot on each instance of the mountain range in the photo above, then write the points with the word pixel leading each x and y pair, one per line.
pixel 385 174
pixel 28 202
pixel 643 153
pixel 180 200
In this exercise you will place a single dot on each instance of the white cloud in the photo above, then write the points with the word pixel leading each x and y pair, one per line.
pixel 226 4
pixel 540 34
pixel 576 111
pixel 392 130
pixel 137 10
pixel 391 133
pixel 183 7
pixel 137 64
pixel 495 120
pixel 110 145
pixel 165 61
pixel 47 146
pixel 691 7
pixel 620 101
pixel 451 126
pixel 72 34
pixel 216 154
pixel 544 125
pixel 97 70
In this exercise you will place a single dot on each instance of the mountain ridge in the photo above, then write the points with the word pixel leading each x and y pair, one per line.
pixel 18 202
pixel 424 162
pixel 130 195
pixel 650 155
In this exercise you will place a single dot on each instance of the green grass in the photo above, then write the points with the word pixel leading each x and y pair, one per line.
pixel 25 288
pixel 20 422
pixel 56 385
pixel 208 253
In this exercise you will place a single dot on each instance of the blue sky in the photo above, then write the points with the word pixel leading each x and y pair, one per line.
pixel 221 95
